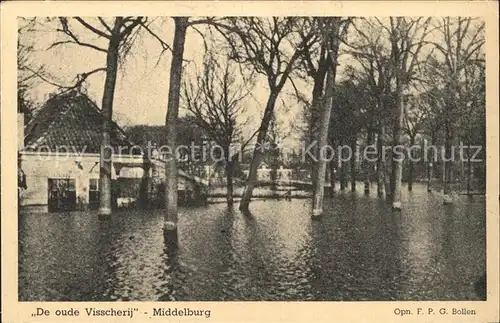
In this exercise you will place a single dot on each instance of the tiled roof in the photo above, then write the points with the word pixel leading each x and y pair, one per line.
pixel 70 120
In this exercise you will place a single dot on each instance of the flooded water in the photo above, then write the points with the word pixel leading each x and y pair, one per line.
pixel 359 250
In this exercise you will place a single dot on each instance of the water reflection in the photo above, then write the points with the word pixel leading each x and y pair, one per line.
pixel 359 250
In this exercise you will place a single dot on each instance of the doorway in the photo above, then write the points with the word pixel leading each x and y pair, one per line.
pixel 62 194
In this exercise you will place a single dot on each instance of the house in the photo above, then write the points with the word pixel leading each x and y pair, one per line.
pixel 284 174
pixel 59 155
pixel 263 172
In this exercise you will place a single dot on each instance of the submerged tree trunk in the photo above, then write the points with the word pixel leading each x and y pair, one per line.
pixel 462 171
pixel 342 179
pixel 410 167
pixel 332 46
pixel 319 182
pixel 105 194
pixel 388 174
pixel 332 177
pixel 353 164
pixel 387 179
pixel 229 182
pixel 469 170
pixel 397 162
pixel 392 175
pixel 431 163
pixel 447 162
pixel 258 152
pixel 410 175
pixel 380 163
pixel 443 172
pixel 316 106
pixel 368 164
pixel 316 109
pixel 170 220
pixel 342 169
pixel 429 176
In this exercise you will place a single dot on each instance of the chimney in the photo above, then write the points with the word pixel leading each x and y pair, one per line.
pixel 20 131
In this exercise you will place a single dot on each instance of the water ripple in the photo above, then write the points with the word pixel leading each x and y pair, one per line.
pixel 359 250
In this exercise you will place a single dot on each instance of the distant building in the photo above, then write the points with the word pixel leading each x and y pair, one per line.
pixel 59 154
pixel 264 172
pixel 284 174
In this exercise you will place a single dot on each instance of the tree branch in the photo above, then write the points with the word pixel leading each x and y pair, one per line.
pixel 126 31
pixel 65 29
pixel 165 47
pixel 92 28
pixel 104 24
pixel 77 42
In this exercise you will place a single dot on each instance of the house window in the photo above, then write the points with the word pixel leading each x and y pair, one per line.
pixel 93 184
pixel 62 194
pixel 93 191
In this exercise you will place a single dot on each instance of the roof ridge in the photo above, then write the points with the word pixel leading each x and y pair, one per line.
pixel 71 118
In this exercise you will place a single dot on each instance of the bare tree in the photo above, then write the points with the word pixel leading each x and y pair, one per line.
pixel 271 47
pixel 369 48
pixel 182 24
pixel 407 38
pixel 27 72
pixel 119 33
pixel 459 49
pixel 314 64
pixel 389 55
pixel 332 29
pixel 473 116
pixel 24 81
pixel 365 116
pixel 170 220
pixel 431 127
pixel 413 124
pixel 216 101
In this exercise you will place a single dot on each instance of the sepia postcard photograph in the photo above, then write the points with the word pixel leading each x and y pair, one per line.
pixel 250 161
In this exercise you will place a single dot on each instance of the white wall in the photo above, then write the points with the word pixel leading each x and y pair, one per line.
pixel 39 168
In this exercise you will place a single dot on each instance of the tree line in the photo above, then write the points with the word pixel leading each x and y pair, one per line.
pixel 372 81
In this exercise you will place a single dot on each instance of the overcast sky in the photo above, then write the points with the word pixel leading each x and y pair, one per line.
pixel 142 86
